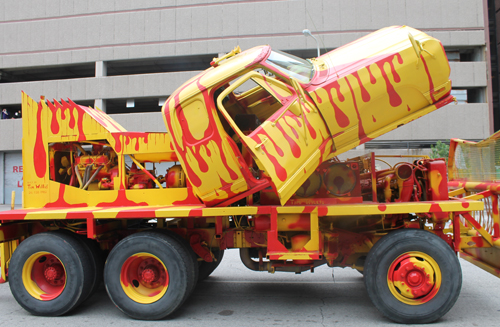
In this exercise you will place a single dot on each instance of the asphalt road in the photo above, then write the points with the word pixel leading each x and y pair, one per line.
pixel 236 296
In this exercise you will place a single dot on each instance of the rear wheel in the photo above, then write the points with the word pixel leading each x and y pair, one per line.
pixel 207 268
pixel 95 256
pixel 412 276
pixel 149 275
pixel 50 274
pixel 97 261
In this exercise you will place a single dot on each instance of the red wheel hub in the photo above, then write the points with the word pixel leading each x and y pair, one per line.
pixel 415 277
pixel 54 272
pixel 144 278
pixel 151 273
pixel 44 276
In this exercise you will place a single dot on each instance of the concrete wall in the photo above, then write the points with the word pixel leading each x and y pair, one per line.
pixel 463 74
pixel 11 133
pixel 465 121
pixel 111 87
pixel 48 32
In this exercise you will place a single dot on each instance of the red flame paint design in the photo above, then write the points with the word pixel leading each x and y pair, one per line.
pixel 364 93
pixel 196 145
pixel 39 152
pixel 54 124
pixel 118 143
pixel 261 131
pixel 80 112
pixel 121 201
pixel 61 203
pixel 291 127
pixel 293 145
pixel 318 98
pixel 340 116
pixel 373 80
pixel 279 170
pixel 431 84
pixel 361 131
pixel 311 129
pixel 394 98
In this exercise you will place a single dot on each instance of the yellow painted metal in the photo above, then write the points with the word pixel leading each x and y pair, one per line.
pixel 412 83
pixel 313 244
pixel 29 283
pixel 456 192
pixel 174 211
pixel 471 241
pixel 230 54
pixel 480 263
pixel 476 196
pixel 96 127
pixel 139 292
pixel 487 236
pixel 6 251
pixel 311 247
pixel 13 200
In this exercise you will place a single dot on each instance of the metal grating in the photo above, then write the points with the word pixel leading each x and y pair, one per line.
pixel 477 162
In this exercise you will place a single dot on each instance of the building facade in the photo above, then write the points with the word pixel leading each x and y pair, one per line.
pixel 126 57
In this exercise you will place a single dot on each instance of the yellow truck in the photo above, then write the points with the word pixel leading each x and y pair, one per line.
pixel 252 145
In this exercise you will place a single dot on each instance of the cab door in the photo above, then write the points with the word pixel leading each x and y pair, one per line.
pixel 292 138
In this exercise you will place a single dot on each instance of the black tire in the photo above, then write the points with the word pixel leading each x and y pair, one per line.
pixel 171 262
pixel 96 261
pixel 207 268
pixel 192 255
pixel 34 256
pixel 401 250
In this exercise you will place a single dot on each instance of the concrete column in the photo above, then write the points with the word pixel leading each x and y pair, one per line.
pixel 2 180
pixel 101 69
pixel 101 104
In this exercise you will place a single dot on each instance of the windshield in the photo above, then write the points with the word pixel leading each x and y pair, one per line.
pixel 292 66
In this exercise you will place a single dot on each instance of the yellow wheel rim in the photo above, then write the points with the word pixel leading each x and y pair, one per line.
pixel 144 278
pixel 44 276
pixel 414 278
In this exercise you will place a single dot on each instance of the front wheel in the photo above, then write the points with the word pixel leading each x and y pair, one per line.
pixel 412 276
pixel 149 275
